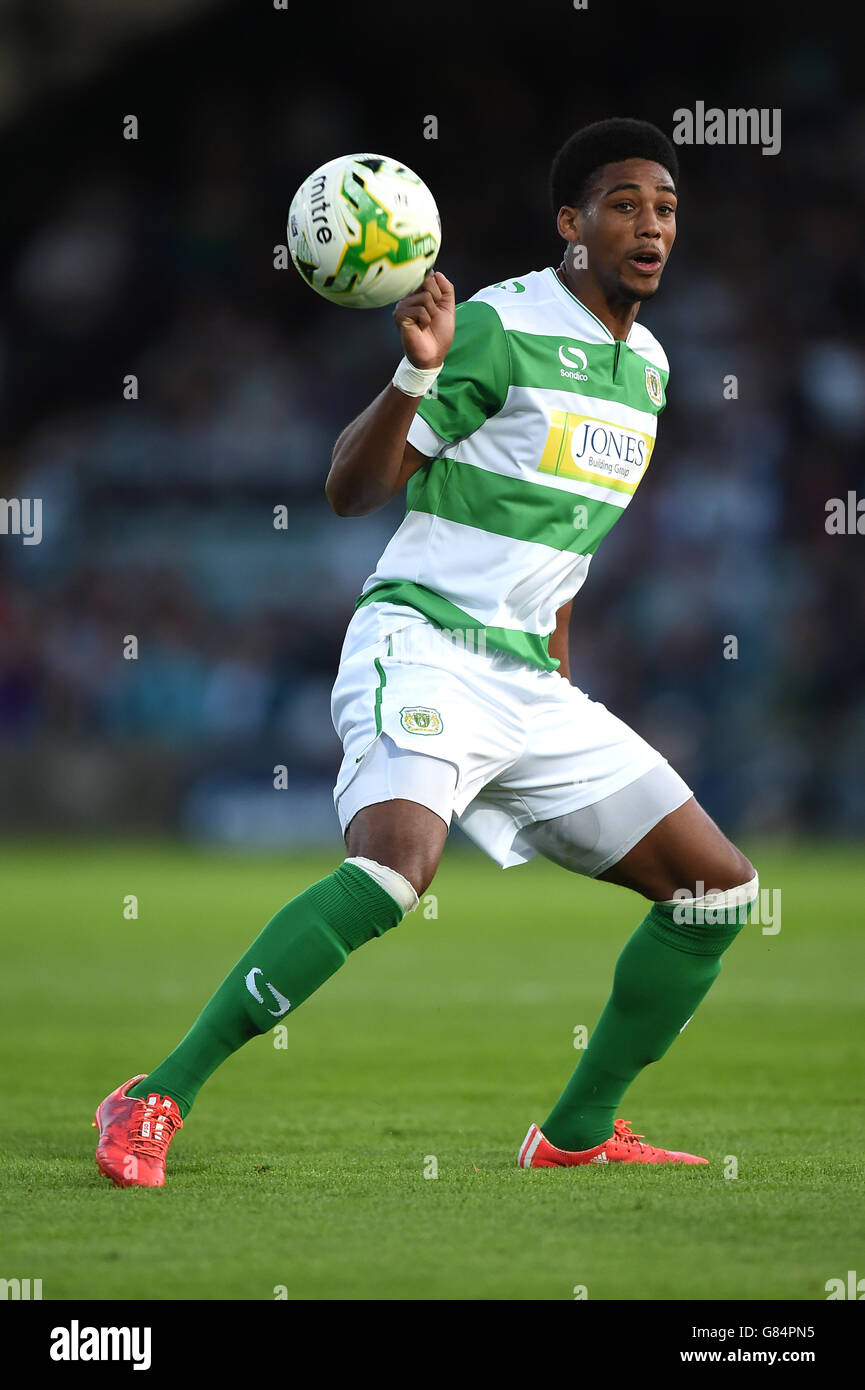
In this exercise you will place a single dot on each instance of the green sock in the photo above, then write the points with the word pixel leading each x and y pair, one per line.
pixel 664 971
pixel 301 947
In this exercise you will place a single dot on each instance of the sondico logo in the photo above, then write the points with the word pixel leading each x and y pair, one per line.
pixel 571 357
pixel 284 1004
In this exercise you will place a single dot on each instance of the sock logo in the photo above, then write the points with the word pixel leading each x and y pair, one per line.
pixel 284 1004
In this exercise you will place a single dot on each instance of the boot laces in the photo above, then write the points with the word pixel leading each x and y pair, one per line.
pixel 622 1130
pixel 163 1125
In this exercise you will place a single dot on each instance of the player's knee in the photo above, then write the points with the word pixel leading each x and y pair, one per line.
pixel 415 867
pixel 741 869
pixel 730 872
pixel 728 869
pixel 416 864
pixel 396 884
pixel 401 835
pixel 420 874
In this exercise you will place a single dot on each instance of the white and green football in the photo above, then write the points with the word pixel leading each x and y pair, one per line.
pixel 363 230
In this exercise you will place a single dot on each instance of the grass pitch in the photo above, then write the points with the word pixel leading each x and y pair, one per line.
pixel 301 1171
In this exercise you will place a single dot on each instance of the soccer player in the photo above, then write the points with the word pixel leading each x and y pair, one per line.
pixel 521 424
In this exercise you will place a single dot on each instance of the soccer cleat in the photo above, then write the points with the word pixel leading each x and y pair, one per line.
pixel 623 1146
pixel 134 1136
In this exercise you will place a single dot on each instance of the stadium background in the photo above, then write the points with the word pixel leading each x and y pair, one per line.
pixel 155 257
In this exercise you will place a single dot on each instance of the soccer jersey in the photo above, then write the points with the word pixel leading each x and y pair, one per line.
pixel 539 430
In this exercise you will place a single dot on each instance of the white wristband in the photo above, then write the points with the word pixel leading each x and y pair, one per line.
pixel 412 380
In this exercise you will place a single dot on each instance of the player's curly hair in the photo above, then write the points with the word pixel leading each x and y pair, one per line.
pixel 605 142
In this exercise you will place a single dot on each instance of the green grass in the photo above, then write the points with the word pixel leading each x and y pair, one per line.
pixel 304 1166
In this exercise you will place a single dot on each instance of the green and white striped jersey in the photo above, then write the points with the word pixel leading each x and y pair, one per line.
pixel 540 429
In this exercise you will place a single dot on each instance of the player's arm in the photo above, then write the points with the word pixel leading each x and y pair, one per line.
pixel 559 640
pixel 372 459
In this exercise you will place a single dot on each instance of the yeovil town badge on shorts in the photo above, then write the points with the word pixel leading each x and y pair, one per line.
pixel 420 719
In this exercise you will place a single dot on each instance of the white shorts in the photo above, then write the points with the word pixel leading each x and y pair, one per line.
pixel 500 745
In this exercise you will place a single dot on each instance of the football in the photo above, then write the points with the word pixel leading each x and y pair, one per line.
pixel 363 230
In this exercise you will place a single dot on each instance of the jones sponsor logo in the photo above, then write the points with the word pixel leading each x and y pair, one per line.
pixel 77 1343
pixel 604 446
pixel 579 446
pixel 607 449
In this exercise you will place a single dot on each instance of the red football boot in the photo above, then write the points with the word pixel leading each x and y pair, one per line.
pixel 623 1146
pixel 134 1136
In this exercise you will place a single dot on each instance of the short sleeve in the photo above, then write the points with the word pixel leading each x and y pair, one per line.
pixel 471 386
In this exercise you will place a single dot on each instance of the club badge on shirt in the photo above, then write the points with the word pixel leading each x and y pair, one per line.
pixel 653 386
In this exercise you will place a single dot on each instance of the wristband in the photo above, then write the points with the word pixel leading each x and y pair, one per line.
pixel 412 380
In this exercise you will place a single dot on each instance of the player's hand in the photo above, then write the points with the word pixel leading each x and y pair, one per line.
pixel 425 321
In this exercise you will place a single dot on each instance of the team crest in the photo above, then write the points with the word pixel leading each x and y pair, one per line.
pixel 419 719
pixel 653 386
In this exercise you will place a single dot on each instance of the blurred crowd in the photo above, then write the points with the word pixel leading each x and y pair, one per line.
pixel 170 396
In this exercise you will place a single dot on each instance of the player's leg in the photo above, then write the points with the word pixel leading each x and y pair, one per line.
pixel 304 944
pixel 402 834
pixel 701 888
pixel 394 846
pixel 393 853
pixel 605 804
pixel 299 949
pixel 685 852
